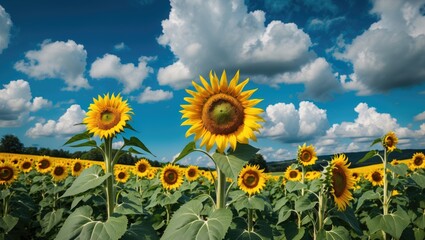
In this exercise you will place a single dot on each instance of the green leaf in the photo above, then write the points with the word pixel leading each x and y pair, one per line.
pixel 368 156
pixel 253 202
pixel 368 195
pixel 244 151
pixel 4 193
pixel 376 141
pixel 8 222
pixel 127 125
pixel 190 147
pixel 292 232
pixel 90 143
pixel 284 214
pixel 134 141
pixel 336 233
pixel 420 221
pixel 79 137
pixel 349 217
pixel 294 186
pixel 304 203
pixel 87 180
pixel 400 169
pixel 51 219
pixel 230 165
pixel 419 179
pixel 80 225
pixel 134 151
pixel 242 234
pixel 187 223
pixel 140 231
pixel 393 224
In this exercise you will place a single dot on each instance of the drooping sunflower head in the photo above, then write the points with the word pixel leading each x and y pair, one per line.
pixel 77 167
pixel 389 141
pixel 342 181
pixel 107 116
pixel 8 173
pixel 171 177
pixel 141 168
pixel 292 174
pixel 26 165
pixel 306 155
pixel 192 173
pixel 121 175
pixel 418 161
pixel 221 113
pixel 59 172
pixel 44 164
pixel 251 179
pixel 376 177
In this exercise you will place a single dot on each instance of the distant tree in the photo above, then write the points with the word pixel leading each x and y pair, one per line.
pixel 259 160
pixel 93 154
pixel 11 144
pixel 31 150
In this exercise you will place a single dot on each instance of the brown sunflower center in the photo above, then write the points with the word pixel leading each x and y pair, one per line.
pixel 339 181
pixel 121 175
pixel 389 141
pixel 6 173
pixel 306 156
pixel 191 172
pixel 293 174
pixel 77 167
pixel 170 176
pixel 250 179
pixel 59 171
pixel 222 114
pixel 355 175
pixel 376 177
pixel 26 165
pixel 44 163
pixel 108 119
pixel 142 168
pixel 418 161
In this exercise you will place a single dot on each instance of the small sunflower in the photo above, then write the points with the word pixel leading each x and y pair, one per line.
pixel 395 162
pixel 292 174
pixel 389 141
pixel 107 116
pixel 356 176
pixel 151 174
pixel 121 175
pixel 171 177
pixel 251 179
pixel 8 173
pixel 192 173
pixel 342 181
pixel 306 155
pixel 221 113
pixel 59 172
pixel 376 177
pixel 311 175
pixel 26 165
pixel 418 161
pixel 77 167
pixel 142 167
pixel 44 165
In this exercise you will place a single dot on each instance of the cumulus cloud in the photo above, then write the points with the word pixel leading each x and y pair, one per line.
pixel 131 76
pixel 64 126
pixel 323 24
pixel 289 125
pixel 5 26
pixel 240 40
pixel 16 102
pixel 280 154
pixel 149 95
pixel 420 116
pixel 64 60
pixel 397 61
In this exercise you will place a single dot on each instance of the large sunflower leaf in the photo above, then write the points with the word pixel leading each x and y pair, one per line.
pixel 135 142
pixel 188 223
pixel 349 217
pixel 368 195
pixel 79 137
pixel 336 233
pixel 88 179
pixel 393 224
pixel 190 147
pixel 400 169
pixel 80 225
pixel 51 219
pixel 8 222
pixel 140 231
pixel 304 203
pixel 232 163
pixel 419 179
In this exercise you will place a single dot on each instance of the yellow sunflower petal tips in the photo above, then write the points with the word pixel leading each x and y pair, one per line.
pixel 220 113
pixel 306 155
pixel 251 179
pixel 390 141
pixel 171 177
pixel 342 181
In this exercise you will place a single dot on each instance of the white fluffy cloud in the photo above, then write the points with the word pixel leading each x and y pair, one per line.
pixel 238 40
pixel 280 154
pixel 5 26
pixel 391 53
pixel 16 102
pixel 149 95
pixel 420 116
pixel 131 76
pixel 64 60
pixel 287 124
pixel 64 126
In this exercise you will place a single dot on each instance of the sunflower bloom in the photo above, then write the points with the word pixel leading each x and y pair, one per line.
pixel 59 172
pixel 171 177
pixel 8 173
pixel 376 177
pixel 121 175
pixel 251 179
pixel 44 165
pixel 417 161
pixel 26 165
pixel 292 174
pixel 221 113
pixel 390 141
pixel 342 181
pixel 192 173
pixel 151 174
pixel 311 175
pixel 142 167
pixel 77 167
pixel 107 116
pixel 306 155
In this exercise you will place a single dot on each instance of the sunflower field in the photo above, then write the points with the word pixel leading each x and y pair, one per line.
pixel 44 197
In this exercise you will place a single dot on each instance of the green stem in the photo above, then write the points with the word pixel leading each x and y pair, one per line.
pixel 109 188
pixel 250 221
pixel 385 197
pixel 302 179
pixel 221 189
pixel 168 209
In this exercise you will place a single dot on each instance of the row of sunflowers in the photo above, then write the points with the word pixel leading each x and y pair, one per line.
pixel 49 198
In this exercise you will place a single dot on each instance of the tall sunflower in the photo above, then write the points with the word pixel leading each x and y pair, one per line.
pixel 142 167
pixel 417 161
pixel 292 174
pixel 306 155
pixel 8 173
pixel 342 181
pixel 251 179
pixel 171 177
pixel 107 116
pixel 376 177
pixel 221 113
pixel 59 172
pixel 389 141
pixel 192 173
pixel 44 164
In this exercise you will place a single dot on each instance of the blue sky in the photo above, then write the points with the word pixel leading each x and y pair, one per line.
pixel 335 74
